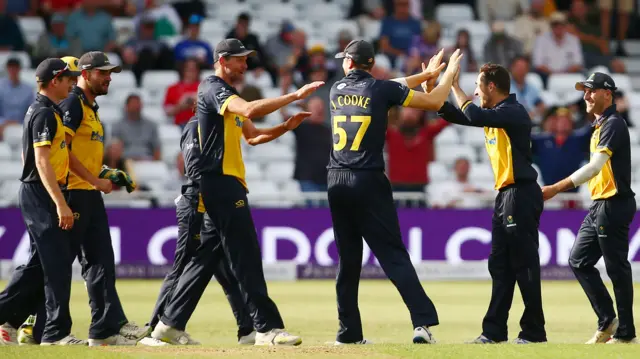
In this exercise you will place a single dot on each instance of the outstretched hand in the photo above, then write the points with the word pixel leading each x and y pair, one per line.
pixel 454 62
pixel 294 121
pixel 308 89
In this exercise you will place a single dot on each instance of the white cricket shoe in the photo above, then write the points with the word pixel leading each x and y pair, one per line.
pixel 117 339
pixel 361 342
pixel 623 341
pixel 152 342
pixel 173 336
pixel 8 335
pixel 422 335
pixel 132 331
pixel 68 340
pixel 605 335
pixel 249 339
pixel 277 337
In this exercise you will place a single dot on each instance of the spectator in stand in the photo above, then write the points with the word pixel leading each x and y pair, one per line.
pixel 526 93
pixel 595 47
pixel 22 7
pixel 114 157
pixel 138 135
pixel 56 43
pixel 622 106
pixel 468 62
pixel 241 32
pixel 397 32
pixel 146 52
pixel 365 11
pixel 423 47
pixel 180 97
pixel 382 68
pixel 318 59
pixel 280 47
pixel 93 26
pixel 560 151
pixel 54 6
pixel 11 37
pixel 344 38
pixel 168 22
pixel 192 47
pixel 461 193
pixel 557 51
pixel 410 148
pixel 501 48
pixel 530 25
pixel 15 96
pixel 625 8
pixel 313 145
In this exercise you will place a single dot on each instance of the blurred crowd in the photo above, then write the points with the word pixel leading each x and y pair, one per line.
pixel 541 37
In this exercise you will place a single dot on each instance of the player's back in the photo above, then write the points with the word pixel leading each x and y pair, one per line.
pixel 359 107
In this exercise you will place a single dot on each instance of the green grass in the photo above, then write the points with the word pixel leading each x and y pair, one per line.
pixel 309 310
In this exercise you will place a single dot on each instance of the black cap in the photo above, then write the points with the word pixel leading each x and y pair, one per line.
pixel 52 68
pixel 96 60
pixel 360 51
pixel 231 47
pixel 597 80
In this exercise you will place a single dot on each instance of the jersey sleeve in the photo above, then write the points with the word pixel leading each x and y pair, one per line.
pixel 72 110
pixel 611 136
pixel 43 128
pixel 399 94
pixel 219 95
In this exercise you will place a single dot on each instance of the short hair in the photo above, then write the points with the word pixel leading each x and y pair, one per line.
pixel 244 17
pixel 498 75
pixel 519 58
pixel 365 67
pixel 131 97
pixel 43 85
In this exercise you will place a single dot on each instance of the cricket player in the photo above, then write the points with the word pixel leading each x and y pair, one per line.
pixel 85 137
pixel 514 247
pixel 605 230
pixel 360 196
pixel 191 219
pixel 45 210
pixel 223 117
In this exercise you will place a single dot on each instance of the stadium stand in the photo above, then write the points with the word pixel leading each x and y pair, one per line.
pixel 284 31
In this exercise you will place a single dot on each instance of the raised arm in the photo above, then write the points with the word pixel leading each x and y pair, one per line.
pixel 263 107
pixel 432 71
pixel 435 99
pixel 256 136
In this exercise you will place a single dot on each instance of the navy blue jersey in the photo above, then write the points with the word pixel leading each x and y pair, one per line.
pixel 190 147
pixel 359 107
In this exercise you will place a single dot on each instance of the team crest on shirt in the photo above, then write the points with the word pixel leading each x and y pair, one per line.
pixel 95 136
pixel 491 141
pixel 44 135
pixel 238 121
pixel 341 86
pixel 63 144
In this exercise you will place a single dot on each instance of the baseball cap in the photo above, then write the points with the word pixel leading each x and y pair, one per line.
pixel 195 19
pixel 557 18
pixel 360 51
pixel 97 60
pixel 597 80
pixel 231 47
pixel 52 68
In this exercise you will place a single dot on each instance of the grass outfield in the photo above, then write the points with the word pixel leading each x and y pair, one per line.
pixel 309 309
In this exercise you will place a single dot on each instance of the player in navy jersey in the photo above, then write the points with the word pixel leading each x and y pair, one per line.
pixel 360 196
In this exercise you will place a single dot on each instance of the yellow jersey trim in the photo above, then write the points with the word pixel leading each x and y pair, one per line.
pixel 69 131
pixel 201 208
pixel 42 143
pixel 464 105
pixel 223 108
pixel 408 99
pixel 605 150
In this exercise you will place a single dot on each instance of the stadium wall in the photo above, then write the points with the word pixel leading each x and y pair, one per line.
pixel 298 243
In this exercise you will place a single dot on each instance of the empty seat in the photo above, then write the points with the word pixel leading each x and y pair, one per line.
pixel 438 172
pixel 448 154
pixel 623 82
pixel 159 79
pixel 9 191
pixel 473 136
pixel 114 58
pixel 477 29
pixel 481 172
pixel 278 13
pixel 169 132
pixel 155 114
pixel 279 171
pixel 448 136
pixel 32 27
pixel 468 82
pixel 123 80
pixel 561 83
pixel 331 29
pixel 5 151
pixel 110 115
pixel 323 11
pixel 272 152
pixel 169 151
pixel 11 170
pixel 148 171
pixel 252 171
pixel 535 80
pixel 13 135
pixel 449 14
